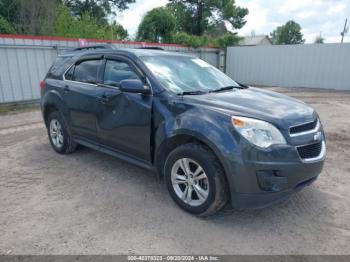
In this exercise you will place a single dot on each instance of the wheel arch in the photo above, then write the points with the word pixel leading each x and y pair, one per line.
pixel 51 102
pixel 47 110
pixel 172 142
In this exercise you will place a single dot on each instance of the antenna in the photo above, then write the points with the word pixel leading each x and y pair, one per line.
pixel 345 30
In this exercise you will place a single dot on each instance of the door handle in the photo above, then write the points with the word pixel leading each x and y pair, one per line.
pixel 66 88
pixel 103 99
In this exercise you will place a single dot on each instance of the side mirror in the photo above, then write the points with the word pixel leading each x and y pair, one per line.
pixel 134 86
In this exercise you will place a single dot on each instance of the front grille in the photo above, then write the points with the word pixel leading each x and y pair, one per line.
pixel 310 151
pixel 303 128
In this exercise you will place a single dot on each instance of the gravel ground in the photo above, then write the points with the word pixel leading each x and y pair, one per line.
pixel 91 203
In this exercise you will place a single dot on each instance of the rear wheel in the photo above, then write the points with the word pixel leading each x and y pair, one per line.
pixel 60 138
pixel 195 179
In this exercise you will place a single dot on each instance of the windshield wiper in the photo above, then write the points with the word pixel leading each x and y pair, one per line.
pixel 191 93
pixel 225 88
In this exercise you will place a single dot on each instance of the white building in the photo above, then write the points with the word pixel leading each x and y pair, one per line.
pixel 255 40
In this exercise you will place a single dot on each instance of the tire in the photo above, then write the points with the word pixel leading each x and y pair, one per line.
pixel 63 142
pixel 208 193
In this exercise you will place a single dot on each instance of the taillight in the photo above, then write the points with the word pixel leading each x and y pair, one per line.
pixel 42 87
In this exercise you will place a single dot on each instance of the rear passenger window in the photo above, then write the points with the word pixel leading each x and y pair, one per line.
pixel 117 71
pixel 87 71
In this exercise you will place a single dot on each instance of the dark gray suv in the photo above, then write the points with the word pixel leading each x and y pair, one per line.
pixel 212 140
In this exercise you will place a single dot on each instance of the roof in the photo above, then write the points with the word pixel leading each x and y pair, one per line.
pixel 90 40
pixel 151 52
pixel 135 51
pixel 255 40
pixel 67 42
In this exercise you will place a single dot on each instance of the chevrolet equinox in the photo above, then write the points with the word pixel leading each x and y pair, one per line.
pixel 210 138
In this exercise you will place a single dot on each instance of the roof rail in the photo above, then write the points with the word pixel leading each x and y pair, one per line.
pixel 151 48
pixel 94 47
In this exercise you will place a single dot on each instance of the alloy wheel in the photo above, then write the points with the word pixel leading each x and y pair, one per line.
pixel 56 133
pixel 190 182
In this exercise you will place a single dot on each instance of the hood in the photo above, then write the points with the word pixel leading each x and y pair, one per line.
pixel 266 105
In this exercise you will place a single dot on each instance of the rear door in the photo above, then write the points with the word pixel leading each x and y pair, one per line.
pixel 81 94
pixel 124 119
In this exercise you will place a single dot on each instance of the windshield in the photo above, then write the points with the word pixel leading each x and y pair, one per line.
pixel 181 74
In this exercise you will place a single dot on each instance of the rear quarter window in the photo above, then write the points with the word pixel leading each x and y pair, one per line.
pixel 60 65
pixel 69 74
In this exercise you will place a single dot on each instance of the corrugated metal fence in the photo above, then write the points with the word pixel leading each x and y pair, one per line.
pixel 24 61
pixel 314 65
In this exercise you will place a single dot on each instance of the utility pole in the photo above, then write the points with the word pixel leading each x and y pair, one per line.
pixel 111 29
pixel 112 32
pixel 345 30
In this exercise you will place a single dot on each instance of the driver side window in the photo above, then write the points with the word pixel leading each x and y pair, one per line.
pixel 117 71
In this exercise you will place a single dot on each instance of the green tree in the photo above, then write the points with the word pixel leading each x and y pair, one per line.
pixel 181 38
pixel 197 16
pixel 35 17
pixel 158 25
pixel 61 17
pixel 65 23
pixel 9 10
pixel 86 26
pixel 117 31
pixel 288 34
pixel 228 39
pixel 6 27
pixel 319 40
pixel 182 16
pixel 98 9
pixel 217 29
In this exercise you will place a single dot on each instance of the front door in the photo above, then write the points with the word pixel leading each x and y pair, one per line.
pixel 124 119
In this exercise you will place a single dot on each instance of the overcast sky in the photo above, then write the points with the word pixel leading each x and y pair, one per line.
pixel 314 16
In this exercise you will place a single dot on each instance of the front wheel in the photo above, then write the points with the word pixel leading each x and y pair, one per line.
pixel 195 179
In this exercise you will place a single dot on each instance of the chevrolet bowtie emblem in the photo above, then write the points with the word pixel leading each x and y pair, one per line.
pixel 317 137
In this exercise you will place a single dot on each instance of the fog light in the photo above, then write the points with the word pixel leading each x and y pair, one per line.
pixel 269 180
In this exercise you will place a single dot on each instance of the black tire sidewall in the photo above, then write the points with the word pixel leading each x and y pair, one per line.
pixel 203 159
pixel 56 115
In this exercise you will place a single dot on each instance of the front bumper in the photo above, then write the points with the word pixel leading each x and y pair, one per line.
pixel 258 178
pixel 283 180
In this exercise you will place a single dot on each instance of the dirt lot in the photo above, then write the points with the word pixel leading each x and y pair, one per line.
pixel 91 203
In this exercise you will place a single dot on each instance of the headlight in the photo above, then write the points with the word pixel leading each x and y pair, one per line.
pixel 258 132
